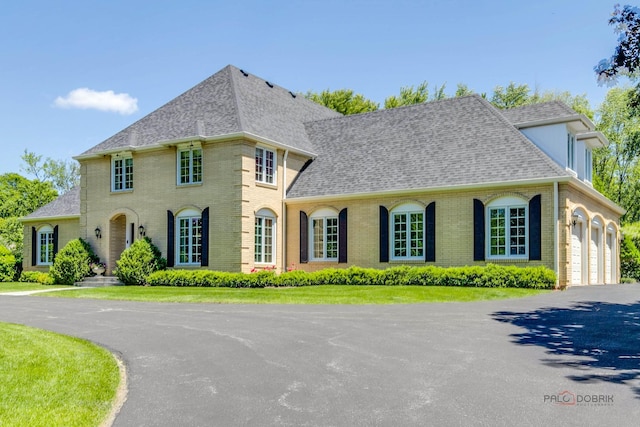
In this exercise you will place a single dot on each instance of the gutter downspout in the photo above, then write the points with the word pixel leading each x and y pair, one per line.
pixel 284 211
pixel 555 232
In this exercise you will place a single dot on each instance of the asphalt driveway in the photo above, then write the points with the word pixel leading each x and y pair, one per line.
pixel 567 358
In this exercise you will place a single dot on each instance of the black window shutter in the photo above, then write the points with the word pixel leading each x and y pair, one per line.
pixel 171 239
pixel 535 228
pixel 430 219
pixel 304 238
pixel 478 230
pixel 55 241
pixel 34 246
pixel 204 255
pixel 384 234
pixel 342 236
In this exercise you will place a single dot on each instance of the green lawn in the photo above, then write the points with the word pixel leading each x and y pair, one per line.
pixel 300 295
pixel 47 379
pixel 19 286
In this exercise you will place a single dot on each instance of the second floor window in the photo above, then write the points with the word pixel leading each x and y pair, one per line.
pixel 122 173
pixel 571 151
pixel 190 166
pixel 588 165
pixel 265 165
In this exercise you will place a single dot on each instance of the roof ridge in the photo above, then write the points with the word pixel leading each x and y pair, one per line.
pixel 236 99
pixel 402 107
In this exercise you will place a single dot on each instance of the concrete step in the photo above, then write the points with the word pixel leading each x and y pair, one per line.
pixel 98 281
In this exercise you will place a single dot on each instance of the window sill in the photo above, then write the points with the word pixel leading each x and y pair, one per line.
pixel 266 185
pixel 507 260
pixel 189 184
pixel 121 191
pixel 407 261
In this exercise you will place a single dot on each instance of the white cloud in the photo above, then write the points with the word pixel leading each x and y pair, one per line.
pixel 85 99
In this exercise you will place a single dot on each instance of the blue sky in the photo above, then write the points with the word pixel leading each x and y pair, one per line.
pixel 74 72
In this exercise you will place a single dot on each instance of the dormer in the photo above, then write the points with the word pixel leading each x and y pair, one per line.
pixel 564 135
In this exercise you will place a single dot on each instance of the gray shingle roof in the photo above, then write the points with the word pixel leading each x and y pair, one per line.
pixel 230 101
pixel 458 141
pixel 66 205
pixel 536 112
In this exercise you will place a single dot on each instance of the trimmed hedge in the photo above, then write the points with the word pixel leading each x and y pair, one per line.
pixel 36 277
pixel 492 275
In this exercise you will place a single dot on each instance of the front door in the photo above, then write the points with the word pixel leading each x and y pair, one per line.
pixel 117 240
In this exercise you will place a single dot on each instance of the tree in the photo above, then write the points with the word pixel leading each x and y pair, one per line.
pixel 626 57
pixel 20 196
pixel 344 101
pixel 511 96
pixel 463 90
pixel 63 174
pixel 616 167
pixel 412 96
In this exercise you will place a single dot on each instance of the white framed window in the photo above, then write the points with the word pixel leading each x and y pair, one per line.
pixel 122 172
pixel 588 164
pixel 190 165
pixel 407 232
pixel 45 246
pixel 324 235
pixel 507 228
pixel 265 237
pixel 265 166
pixel 571 151
pixel 189 237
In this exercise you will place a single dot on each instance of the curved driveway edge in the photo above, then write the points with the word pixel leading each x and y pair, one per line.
pixel 568 357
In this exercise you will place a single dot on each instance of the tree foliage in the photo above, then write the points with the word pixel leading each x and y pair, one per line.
pixel 625 60
pixel 344 101
pixel 412 96
pixel 63 174
pixel 20 196
pixel 616 167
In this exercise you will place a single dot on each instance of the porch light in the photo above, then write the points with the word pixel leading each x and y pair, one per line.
pixel 141 230
pixel 98 232
pixel 574 218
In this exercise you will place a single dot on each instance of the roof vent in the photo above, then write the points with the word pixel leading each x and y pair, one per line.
pixel 244 73
pixel 269 84
pixel 293 95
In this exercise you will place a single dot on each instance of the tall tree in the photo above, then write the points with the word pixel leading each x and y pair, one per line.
pixel 511 96
pixel 625 60
pixel 62 174
pixel 617 167
pixel 20 196
pixel 344 101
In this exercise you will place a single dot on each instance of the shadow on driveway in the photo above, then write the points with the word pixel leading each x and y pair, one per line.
pixel 600 340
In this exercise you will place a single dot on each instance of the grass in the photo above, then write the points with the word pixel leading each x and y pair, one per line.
pixel 47 379
pixel 300 295
pixel 19 286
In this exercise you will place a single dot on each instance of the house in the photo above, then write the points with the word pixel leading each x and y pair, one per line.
pixel 238 173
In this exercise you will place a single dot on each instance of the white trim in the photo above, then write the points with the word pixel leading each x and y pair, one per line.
pixel 507 203
pixel 274 167
pixel 217 138
pixel 406 209
pixel 323 214
pixel 556 234
pixel 575 118
pixel 460 187
pixel 263 214
pixel 188 213
pixel 189 148
pixel 45 229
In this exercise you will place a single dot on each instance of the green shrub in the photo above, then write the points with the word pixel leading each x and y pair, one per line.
pixel 629 258
pixel 475 276
pixel 7 265
pixel 71 263
pixel 36 277
pixel 138 261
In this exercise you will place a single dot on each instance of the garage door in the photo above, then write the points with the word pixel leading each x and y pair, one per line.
pixel 576 255
pixel 594 257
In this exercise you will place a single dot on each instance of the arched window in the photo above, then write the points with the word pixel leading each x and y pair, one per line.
pixel 45 245
pixel 189 237
pixel 323 229
pixel 265 237
pixel 407 232
pixel 507 228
